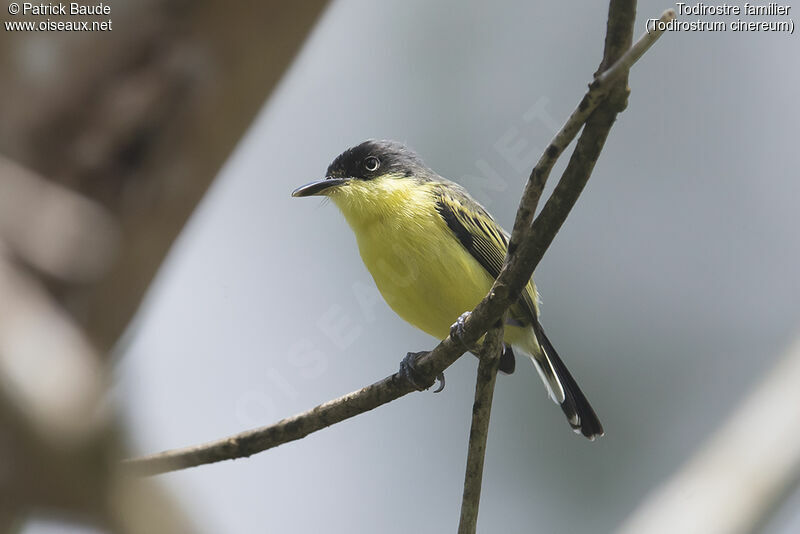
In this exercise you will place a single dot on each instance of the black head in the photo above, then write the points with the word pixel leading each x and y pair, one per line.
pixel 372 159
pixel 367 161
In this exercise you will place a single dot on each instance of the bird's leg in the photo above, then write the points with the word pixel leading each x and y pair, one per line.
pixel 457 329
pixel 408 370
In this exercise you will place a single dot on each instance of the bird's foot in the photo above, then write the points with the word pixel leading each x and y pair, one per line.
pixel 457 330
pixel 408 370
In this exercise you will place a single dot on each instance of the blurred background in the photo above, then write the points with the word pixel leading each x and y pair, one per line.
pixel 670 291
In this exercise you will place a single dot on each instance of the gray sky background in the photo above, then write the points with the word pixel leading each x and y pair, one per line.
pixel 669 291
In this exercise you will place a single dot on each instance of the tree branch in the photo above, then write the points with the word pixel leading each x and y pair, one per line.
pixel 528 243
pixel 598 89
pixel 479 432
pixel 621 19
pixel 526 247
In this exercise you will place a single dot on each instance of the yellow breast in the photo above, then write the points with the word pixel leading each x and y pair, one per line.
pixel 423 272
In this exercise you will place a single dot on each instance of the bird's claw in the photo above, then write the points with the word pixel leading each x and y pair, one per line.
pixel 457 329
pixel 409 372
pixel 440 378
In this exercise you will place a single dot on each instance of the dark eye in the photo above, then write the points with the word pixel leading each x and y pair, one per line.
pixel 371 163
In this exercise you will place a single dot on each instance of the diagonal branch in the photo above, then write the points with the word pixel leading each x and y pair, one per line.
pixel 598 89
pixel 528 244
pixel 621 19
pixel 526 247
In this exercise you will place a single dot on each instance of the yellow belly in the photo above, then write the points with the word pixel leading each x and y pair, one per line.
pixel 424 274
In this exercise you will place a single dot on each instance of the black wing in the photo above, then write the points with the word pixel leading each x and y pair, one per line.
pixel 485 240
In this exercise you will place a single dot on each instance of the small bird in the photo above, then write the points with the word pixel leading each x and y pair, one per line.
pixel 434 253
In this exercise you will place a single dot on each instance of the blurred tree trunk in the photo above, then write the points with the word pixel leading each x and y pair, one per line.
pixel 140 119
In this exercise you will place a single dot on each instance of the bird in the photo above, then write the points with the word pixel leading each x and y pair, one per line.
pixel 434 253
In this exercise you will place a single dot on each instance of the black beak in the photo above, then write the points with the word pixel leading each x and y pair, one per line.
pixel 319 187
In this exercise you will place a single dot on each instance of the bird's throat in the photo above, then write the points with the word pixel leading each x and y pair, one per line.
pixel 383 199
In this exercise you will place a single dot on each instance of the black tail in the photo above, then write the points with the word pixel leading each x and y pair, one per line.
pixel 579 412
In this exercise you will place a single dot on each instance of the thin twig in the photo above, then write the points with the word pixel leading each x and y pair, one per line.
pixel 479 431
pixel 523 256
pixel 618 56
pixel 634 53
pixel 598 90
pixel 260 439
pixel 528 242
pixel 620 27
